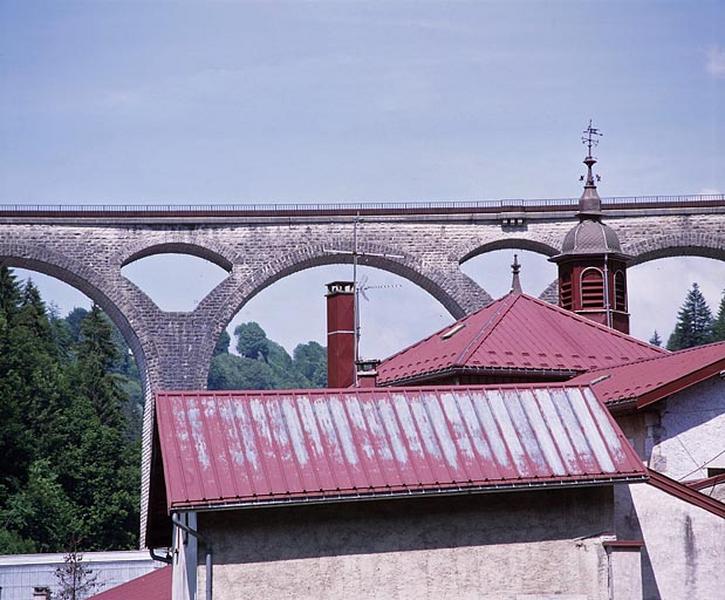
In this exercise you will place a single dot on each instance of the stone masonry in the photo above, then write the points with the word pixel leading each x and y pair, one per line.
pixel 174 349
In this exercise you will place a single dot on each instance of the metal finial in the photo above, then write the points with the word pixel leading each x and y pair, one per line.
pixel 590 136
pixel 590 205
pixel 515 282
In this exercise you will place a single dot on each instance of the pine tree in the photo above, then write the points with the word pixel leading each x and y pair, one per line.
pixel 718 327
pixel 694 322
pixel 76 581
pixel 656 340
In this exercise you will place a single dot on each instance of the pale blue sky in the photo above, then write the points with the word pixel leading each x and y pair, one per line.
pixel 205 102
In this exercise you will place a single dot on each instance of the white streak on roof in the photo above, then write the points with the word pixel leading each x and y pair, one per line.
pixel 424 425
pixel 246 428
pixel 235 444
pixel 343 430
pixel 406 421
pixel 279 430
pixel 310 425
pixel 525 433
pixel 358 422
pixel 579 442
pixel 439 425
pixel 295 430
pixel 324 419
pixel 453 414
pixel 488 423
pixel 391 426
pixel 614 443
pixel 590 431
pixel 558 432
pixel 543 437
pixel 197 434
pixel 509 433
pixel 376 430
pixel 474 427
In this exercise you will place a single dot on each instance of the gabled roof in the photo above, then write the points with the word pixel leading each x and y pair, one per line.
pixel 155 585
pixel 644 382
pixel 249 448
pixel 517 334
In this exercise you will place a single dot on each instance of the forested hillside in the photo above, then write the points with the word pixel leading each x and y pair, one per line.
pixel 69 424
pixel 71 405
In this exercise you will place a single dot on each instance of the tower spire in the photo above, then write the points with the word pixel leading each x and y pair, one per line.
pixel 515 281
pixel 590 204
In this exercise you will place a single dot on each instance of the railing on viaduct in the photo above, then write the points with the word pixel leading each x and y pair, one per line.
pixel 351 209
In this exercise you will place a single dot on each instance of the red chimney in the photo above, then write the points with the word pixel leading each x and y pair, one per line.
pixel 367 373
pixel 340 334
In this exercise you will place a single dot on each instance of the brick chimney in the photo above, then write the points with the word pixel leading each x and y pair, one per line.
pixel 340 334
pixel 41 593
pixel 367 373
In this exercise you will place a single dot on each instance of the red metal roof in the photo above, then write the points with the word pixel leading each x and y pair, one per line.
pixel 519 333
pixel 650 380
pixel 248 447
pixel 155 585
pixel 683 492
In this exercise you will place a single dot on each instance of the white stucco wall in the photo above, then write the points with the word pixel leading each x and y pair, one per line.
pixel 685 544
pixel 522 545
pixel 690 432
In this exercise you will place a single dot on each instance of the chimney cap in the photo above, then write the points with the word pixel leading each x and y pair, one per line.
pixel 340 287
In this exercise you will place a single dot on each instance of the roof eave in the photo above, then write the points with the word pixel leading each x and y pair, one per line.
pixel 235 504
pixel 464 370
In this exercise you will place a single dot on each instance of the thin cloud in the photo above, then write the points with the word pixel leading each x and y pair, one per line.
pixel 716 62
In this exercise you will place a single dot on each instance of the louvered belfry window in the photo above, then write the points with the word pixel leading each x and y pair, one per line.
pixel 592 288
pixel 620 292
pixel 565 291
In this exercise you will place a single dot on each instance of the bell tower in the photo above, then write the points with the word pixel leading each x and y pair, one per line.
pixel 592 267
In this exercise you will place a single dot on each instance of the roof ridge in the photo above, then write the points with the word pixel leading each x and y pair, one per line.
pixel 651 358
pixel 600 327
pixel 442 330
pixel 488 327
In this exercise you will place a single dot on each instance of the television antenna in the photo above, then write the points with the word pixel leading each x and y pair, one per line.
pixel 356 253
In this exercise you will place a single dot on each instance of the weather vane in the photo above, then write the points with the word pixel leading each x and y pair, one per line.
pixel 590 137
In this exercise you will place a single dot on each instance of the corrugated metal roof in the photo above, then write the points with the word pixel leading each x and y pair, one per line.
pixel 650 380
pixel 245 448
pixel 517 333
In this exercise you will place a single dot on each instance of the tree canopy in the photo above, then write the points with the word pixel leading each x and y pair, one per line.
pixel 694 322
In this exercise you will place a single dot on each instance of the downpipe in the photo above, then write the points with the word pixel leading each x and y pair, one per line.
pixel 208 557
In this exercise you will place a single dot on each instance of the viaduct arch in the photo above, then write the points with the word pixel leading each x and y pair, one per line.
pixel 88 246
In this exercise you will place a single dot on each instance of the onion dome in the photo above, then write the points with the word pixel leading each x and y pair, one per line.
pixel 591 237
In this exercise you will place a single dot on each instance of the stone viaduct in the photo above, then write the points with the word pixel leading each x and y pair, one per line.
pixel 87 247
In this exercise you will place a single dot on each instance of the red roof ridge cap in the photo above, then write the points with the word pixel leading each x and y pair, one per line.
pixel 508 302
pixel 440 331
pixel 645 359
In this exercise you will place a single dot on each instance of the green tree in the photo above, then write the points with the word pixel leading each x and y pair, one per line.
pixel 76 581
pixel 310 359
pixel 655 340
pixel 41 511
pixel 718 326
pixel 252 342
pixel 694 322
pixel 230 372
pixel 99 464
pixel 222 344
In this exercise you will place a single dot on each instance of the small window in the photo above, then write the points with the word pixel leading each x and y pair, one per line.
pixel 620 291
pixel 713 471
pixel 592 288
